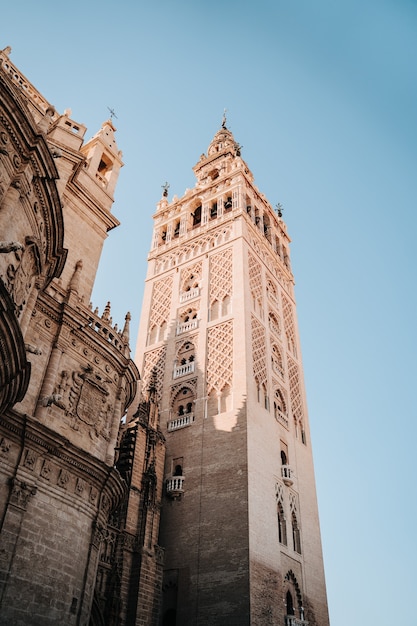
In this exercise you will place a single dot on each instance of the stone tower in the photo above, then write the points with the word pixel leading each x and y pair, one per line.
pixel 218 329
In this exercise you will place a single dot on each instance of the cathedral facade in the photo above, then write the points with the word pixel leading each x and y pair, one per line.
pixel 79 508
pixel 219 334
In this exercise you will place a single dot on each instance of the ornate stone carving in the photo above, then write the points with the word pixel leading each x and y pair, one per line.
pixel 20 272
pixel 21 493
pixel 93 495
pixel 98 534
pixel 129 542
pixel 30 459
pixel 88 403
pixel 46 470
pixel 79 486
pixel 105 503
pixel 5 446
pixel 63 478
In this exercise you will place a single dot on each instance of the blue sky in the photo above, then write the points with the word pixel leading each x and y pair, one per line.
pixel 323 97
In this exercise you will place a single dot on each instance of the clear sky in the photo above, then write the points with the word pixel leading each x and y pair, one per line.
pixel 322 95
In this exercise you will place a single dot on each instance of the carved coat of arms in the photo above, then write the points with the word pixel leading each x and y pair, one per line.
pixel 88 401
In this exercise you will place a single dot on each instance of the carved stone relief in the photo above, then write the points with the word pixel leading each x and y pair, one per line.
pixel 21 493
pixel 5 446
pixel 87 400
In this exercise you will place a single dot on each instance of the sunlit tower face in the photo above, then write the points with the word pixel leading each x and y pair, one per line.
pixel 239 517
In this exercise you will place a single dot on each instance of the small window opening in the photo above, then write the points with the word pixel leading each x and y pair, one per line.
pixel 196 216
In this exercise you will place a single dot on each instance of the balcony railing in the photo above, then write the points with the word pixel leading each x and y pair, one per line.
pixel 182 370
pixel 185 327
pixel 185 296
pixel 291 620
pixel 278 369
pixel 281 417
pixel 287 475
pixel 175 486
pixel 181 422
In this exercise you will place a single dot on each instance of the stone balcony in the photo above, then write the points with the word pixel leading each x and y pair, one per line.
pixel 181 422
pixel 185 327
pixel 287 475
pixel 185 296
pixel 291 620
pixel 281 418
pixel 175 486
pixel 183 370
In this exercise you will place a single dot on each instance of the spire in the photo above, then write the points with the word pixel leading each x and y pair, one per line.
pixel 222 150
pixel 106 312
pixel 75 280
pixel 125 332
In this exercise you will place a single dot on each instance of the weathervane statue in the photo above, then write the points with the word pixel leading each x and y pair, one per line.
pixel 224 119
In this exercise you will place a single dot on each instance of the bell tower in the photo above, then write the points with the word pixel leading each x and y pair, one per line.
pixel 219 333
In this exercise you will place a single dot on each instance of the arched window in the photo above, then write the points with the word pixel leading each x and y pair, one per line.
pixel 282 525
pixel 156 333
pixel 295 533
pixel 293 598
pixel 176 230
pixel 267 227
pixel 280 409
pixel 276 360
pixel 196 216
pixel 214 310
pixel 228 204
pixel 182 403
pixel 274 324
pixel 289 603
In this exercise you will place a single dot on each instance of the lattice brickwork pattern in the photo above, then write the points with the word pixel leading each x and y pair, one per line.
pixel 154 362
pixel 259 351
pixel 295 393
pixel 161 301
pixel 272 292
pixel 279 492
pixel 289 322
pixel 270 260
pixel 203 244
pixel 293 501
pixel 220 356
pixel 255 279
pixel 188 272
pixel 221 275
